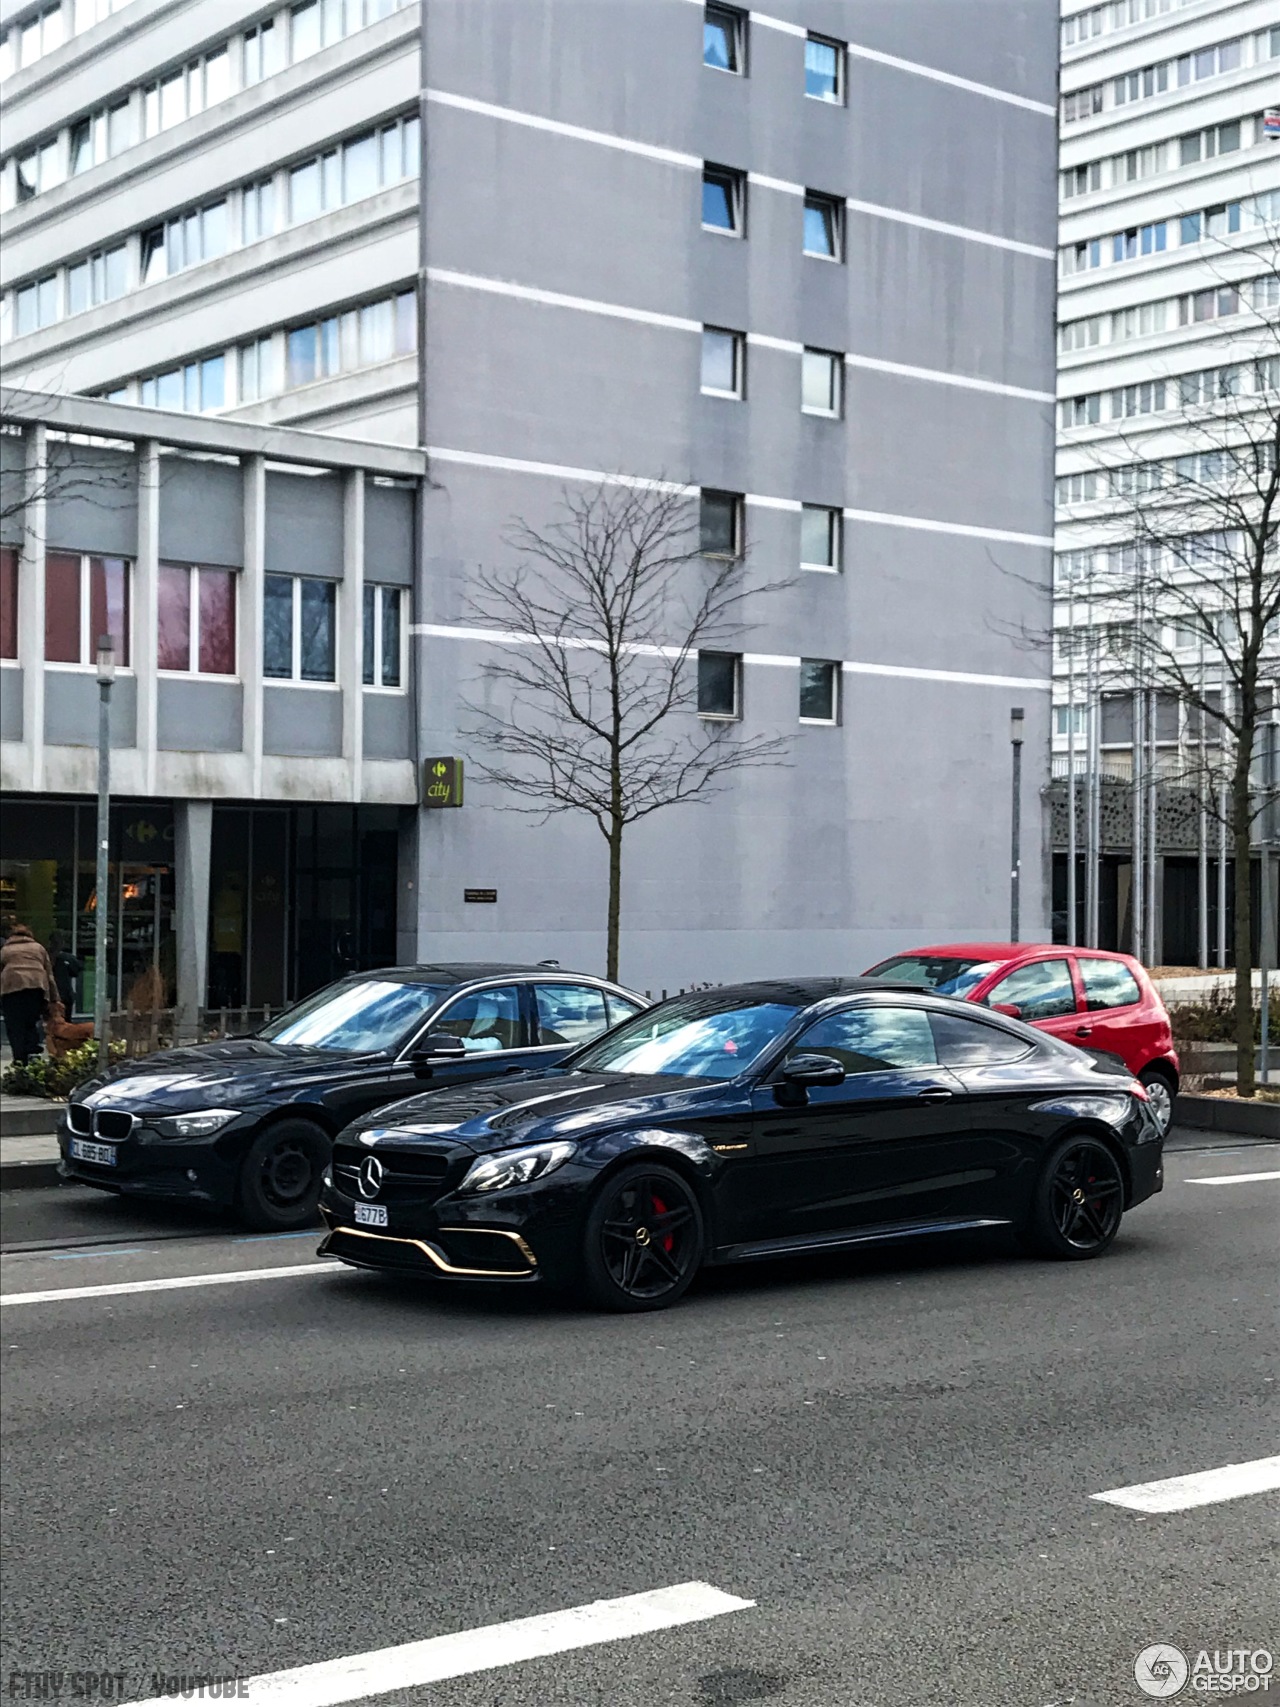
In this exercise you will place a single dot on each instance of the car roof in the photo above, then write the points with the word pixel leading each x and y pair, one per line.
pixel 1006 951
pixel 803 992
pixel 467 972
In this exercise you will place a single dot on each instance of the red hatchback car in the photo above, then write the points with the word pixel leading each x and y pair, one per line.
pixel 1085 996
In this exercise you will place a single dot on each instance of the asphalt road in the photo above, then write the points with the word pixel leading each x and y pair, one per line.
pixel 891 1459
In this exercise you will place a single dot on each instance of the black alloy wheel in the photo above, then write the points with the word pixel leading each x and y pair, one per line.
pixel 1079 1200
pixel 644 1239
pixel 280 1176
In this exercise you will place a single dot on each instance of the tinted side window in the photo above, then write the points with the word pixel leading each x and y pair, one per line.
pixel 871 1039
pixel 969 1043
pixel 569 1013
pixel 1042 990
pixel 485 1020
pixel 1108 984
pixel 620 1010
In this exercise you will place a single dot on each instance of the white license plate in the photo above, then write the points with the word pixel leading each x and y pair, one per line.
pixel 103 1154
pixel 371 1214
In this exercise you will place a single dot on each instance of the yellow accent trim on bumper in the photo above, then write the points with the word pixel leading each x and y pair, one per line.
pixel 442 1262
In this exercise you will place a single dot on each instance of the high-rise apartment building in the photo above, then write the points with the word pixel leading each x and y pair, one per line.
pixel 798 263
pixel 1169 295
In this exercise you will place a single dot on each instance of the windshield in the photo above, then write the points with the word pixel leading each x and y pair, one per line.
pixel 695 1037
pixel 948 974
pixel 375 1015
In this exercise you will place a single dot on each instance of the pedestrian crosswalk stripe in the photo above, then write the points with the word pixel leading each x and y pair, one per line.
pixel 1205 1487
pixel 414 1664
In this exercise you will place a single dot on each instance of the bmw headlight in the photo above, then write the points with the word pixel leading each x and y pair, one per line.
pixel 516 1167
pixel 197 1124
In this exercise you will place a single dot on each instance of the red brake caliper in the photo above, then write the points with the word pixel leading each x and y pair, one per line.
pixel 660 1208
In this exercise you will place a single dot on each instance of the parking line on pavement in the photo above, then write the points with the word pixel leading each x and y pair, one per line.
pixel 1205 1487
pixel 413 1664
pixel 1231 1179
pixel 172 1284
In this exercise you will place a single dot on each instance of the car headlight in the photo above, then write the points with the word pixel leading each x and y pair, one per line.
pixel 198 1124
pixel 516 1167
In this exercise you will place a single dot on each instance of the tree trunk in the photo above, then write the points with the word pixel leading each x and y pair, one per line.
pixel 615 898
pixel 1240 824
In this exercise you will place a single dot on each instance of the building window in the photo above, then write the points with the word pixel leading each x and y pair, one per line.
pixel 820 382
pixel 263 53
pixel 1080 180
pixel 196 620
pixel 194 388
pixel 382 637
pixel 723 39
pixel 359 168
pixel 359 337
pixel 299 615
pixel 35 305
pixel 1080 411
pixel 819 690
pixel 720 526
pixel 823 225
pixel 1215 304
pixel 258 210
pixel 97 279
pixel 723 199
pixel 723 356
pixel 8 602
pixel 38 170
pixel 100 137
pixel 824 70
pixel 1067 716
pixel 719 684
pixel 200 235
pixel 1082 104
pixel 819 538
pixel 39 35
pixel 259 370
pixel 186 91
pixel 85 598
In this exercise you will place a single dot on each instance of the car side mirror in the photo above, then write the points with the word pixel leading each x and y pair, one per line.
pixel 436 1050
pixel 812 1070
pixel 1010 1010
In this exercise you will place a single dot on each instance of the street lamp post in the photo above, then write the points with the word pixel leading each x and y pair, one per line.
pixel 1016 719
pixel 101 1005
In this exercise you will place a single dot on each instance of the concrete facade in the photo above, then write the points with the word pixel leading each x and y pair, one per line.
pixel 564 278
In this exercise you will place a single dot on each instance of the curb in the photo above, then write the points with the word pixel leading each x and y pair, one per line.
pixel 1228 1115
pixel 15 1176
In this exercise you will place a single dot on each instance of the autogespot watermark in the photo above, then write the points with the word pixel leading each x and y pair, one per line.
pixel 1163 1671
pixel 118 1686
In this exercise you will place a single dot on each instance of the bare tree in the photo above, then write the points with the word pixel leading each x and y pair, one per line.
pixel 604 618
pixel 1195 570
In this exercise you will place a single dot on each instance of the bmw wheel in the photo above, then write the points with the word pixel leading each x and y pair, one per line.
pixel 1079 1201
pixel 280 1176
pixel 644 1239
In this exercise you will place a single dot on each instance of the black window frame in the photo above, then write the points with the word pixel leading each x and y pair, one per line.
pixel 734 181
pixel 832 668
pixel 706 495
pixel 841 49
pixel 735 23
pixel 712 713
pixel 834 207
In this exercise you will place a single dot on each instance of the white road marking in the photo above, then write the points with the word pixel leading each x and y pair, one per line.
pixel 1231 1179
pixel 1205 1487
pixel 174 1284
pixel 414 1664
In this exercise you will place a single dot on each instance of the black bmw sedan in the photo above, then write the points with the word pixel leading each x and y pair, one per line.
pixel 736 1124
pixel 248 1123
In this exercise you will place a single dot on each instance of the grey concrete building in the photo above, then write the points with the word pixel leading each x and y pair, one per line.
pixel 803 257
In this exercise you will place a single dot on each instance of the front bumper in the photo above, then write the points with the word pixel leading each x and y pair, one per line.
pixel 196 1170
pixel 524 1235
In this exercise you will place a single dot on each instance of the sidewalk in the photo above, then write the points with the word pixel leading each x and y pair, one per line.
pixel 28 1146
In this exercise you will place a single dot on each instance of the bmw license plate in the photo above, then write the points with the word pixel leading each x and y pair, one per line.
pixel 103 1154
pixel 371 1214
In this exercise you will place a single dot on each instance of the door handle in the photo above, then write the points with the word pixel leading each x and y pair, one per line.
pixel 1084 1031
pixel 934 1093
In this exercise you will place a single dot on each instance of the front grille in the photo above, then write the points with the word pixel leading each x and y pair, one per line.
pixel 111 1124
pixel 80 1119
pixel 412 1179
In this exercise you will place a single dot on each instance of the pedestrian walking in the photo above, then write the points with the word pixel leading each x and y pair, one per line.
pixel 67 968
pixel 26 989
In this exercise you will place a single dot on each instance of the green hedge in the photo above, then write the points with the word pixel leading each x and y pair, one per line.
pixel 43 1077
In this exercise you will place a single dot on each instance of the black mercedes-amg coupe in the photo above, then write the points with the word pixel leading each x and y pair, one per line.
pixel 756 1121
